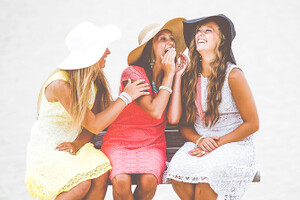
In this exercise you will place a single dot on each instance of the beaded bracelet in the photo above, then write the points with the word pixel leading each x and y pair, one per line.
pixel 165 88
pixel 199 140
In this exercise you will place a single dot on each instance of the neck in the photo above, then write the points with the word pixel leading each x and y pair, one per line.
pixel 157 72
pixel 207 59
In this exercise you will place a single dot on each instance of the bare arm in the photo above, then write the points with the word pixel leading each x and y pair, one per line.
pixel 245 102
pixel 155 107
pixel 175 106
pixel 61 91
pixel 189 133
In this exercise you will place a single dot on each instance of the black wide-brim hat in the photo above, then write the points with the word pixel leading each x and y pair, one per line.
pixel 225 24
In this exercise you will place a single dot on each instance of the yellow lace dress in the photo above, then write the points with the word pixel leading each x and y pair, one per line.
pixel 49 171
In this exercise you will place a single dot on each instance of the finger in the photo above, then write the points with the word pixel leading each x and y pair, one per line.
pixel 211 145
pixel 215 138
pixel 62 144
pixel 142 85
pixel 144 93
pixel 62 149
pixel 207 147
pixel 137 82
pixel 213 142
pixel 203 147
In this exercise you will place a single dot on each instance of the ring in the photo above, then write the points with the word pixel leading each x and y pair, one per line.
pixel 71 150
pixel 203 152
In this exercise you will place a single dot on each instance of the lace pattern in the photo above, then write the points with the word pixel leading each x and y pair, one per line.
pixel 230 168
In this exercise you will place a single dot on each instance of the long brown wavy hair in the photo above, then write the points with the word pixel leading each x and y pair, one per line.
pixel 215 82
pixel 145 59
pixel 80 81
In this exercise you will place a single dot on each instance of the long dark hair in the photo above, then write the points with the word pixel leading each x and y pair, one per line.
pixel 214 87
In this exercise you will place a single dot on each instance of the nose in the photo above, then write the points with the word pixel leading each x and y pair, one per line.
pixel 172 43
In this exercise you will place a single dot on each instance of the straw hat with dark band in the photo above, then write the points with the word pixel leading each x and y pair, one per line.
pixel 226 25
pixel 173 25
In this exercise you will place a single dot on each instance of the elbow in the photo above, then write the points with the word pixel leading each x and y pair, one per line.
pixel 173 120
pixel 156 115
pixel 256 127
pixel 95 130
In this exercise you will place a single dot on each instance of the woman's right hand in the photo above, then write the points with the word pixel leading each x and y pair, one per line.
pixel 168 62
pixel 137 88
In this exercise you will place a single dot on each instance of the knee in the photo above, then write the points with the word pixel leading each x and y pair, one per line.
pixel 148 182
pixel 101 181
pixel 176 184
pixel 202 189
pixel 122 184
pixel 82 188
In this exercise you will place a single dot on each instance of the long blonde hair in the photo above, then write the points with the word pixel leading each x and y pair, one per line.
pixel 80 81
pixel 214 87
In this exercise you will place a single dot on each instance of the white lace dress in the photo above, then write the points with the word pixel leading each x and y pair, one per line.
pixel 230 168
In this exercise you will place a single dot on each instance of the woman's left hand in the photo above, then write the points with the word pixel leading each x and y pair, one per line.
pixel 68 147
pixel 198 152
pixel 180 67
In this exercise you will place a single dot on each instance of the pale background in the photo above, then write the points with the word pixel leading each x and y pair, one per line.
pixel 266 47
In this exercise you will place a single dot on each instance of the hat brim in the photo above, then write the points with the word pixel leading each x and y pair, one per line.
pixel 189 28
pixel 176 28
pixel 92 54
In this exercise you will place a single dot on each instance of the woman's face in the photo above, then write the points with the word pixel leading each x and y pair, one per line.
pixel 207 37
pixel 102 60
pixel 162 42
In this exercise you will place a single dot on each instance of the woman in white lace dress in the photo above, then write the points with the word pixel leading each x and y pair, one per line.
pixel 219 117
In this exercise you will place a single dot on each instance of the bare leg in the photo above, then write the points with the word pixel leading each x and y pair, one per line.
pixel 98 188
pixel 122 187
pixel 146 187
pixel 76 193
pixel 185 191
pixel 203 191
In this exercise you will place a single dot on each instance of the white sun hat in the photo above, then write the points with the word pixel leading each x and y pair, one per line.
pixel 87 43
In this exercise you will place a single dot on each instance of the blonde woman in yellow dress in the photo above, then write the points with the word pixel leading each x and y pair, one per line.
pixel 59 165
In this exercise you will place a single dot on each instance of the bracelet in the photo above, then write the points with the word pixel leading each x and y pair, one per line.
pixel 127 96
pixel 202 137
pixel 124 99
pixel 165 88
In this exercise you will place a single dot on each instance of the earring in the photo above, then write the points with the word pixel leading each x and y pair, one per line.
pixel 152 63
pixel 200 58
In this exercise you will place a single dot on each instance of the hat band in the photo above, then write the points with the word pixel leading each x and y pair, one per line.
pixel 150 34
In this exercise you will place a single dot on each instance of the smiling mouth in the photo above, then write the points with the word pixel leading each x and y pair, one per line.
pixel 201 41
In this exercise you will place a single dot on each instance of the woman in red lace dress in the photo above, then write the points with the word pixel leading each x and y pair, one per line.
pixel 135 142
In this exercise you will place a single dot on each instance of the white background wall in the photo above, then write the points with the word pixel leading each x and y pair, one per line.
pixel 266 48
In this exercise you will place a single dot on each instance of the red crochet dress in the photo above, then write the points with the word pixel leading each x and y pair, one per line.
pixel 135 142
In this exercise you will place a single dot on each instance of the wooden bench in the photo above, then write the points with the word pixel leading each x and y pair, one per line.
pixel 174 141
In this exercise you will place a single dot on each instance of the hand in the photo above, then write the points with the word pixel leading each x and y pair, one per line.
pixel 68 147
pixel 208 144
pixel 137 88
pixel 198 152
pixel 168 62
pixel 180 67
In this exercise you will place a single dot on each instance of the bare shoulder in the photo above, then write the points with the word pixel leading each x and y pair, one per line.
pixel 236 73
pixel 57 89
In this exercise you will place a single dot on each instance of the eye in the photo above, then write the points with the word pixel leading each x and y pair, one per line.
pixel 172 39
pixel 163 38
pixel 208 30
